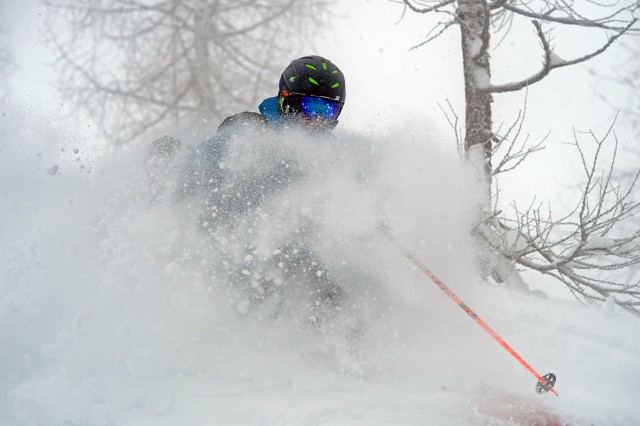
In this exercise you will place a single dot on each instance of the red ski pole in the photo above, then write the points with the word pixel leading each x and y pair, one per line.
pixel 545 383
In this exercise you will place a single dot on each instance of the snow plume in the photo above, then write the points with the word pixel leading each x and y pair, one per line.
pixel 294 240
pixel 139 288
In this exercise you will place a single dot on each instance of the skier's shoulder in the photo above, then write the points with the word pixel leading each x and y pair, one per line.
pixel 242 120
pixel 268 116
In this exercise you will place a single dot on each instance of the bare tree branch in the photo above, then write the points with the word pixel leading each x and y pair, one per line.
pixel 444 26
pixel 132 64
pixel 452 119
pixel 497 4
pixel 516 154
pixel 608 22
pixel 551 61
pixel 586 248
pixel 429 9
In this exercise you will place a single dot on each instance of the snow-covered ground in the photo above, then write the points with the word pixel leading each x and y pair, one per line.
pixel 116 310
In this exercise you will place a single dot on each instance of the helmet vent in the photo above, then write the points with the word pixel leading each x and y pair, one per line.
pixel 313 76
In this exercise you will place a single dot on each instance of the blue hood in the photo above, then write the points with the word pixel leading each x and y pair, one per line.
pixel 269 109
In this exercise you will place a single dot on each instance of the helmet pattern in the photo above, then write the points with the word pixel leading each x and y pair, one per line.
pixel 313 76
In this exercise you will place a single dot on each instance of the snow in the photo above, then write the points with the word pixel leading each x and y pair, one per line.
pixel 116 308
pixel 600 243
pixel 481 77
pixel 555 60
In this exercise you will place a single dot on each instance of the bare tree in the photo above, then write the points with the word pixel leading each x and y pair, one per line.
pixel 587 247
pixel 134 63
pixel 478 20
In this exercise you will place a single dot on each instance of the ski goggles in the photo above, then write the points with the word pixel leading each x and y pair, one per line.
pixel 313 107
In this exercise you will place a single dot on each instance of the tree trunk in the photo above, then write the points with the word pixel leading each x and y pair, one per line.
pixel 473 16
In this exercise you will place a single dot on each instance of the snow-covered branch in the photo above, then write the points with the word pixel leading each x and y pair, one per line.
pixel 591 240
pixel 588 248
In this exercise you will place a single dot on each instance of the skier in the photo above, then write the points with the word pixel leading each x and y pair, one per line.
pixel 311 94
pixel 310 98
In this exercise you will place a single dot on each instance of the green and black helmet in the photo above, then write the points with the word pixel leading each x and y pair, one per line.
pixel 312 87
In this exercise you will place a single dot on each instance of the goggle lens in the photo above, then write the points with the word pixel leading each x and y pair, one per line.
pixel 325 109
pixel 312 107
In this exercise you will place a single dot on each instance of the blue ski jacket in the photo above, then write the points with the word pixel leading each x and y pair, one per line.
pixel 223 200
pixel 202 170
